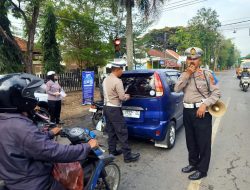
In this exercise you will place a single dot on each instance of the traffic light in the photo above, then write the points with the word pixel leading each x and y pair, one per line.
pixel 117 43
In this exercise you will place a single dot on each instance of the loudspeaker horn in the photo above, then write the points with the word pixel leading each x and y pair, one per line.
pixel 218 109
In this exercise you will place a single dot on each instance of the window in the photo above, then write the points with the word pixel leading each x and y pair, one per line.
pixel 139 85
pixel 172 78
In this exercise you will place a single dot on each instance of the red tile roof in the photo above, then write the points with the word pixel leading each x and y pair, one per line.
pixel 23 45
pixel 171 57
pixel 156 53
pixel 172 53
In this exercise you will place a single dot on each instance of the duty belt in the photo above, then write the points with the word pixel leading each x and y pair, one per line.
pixel 194 105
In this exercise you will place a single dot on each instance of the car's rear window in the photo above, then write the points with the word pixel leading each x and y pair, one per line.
pixel 139 85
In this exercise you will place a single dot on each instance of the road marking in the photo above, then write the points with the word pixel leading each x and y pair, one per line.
pixel 195 185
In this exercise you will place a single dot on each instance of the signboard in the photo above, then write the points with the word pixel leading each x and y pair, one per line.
pixel 162 62
pixel 87 87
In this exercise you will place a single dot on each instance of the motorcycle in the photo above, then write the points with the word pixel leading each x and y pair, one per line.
pixel 244 84
pixel 97 112
pixel 100 171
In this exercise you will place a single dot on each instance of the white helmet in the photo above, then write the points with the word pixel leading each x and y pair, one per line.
pixel 51 73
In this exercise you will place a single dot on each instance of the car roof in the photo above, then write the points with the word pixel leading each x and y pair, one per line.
pixel 148 71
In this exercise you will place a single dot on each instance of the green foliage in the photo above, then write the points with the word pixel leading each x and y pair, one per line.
pixel 10 56
pixel 84 35
pixel 247 56
pixel 51 53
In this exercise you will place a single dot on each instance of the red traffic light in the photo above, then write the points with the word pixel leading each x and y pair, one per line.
pixel 117 41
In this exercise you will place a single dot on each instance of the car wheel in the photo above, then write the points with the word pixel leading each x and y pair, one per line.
pixel 171 135
pixel 169 140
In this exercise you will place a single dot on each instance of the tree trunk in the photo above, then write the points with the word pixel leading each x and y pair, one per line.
pixel 31 37
pixel 129 36
pixel 13 42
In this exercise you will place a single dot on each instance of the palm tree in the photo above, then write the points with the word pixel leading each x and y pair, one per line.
pixel 147 8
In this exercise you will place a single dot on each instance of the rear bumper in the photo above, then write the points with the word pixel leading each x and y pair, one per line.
pixel 148 131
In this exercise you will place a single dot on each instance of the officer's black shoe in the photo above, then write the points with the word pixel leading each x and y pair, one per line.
pixel 132 158
pixel 197 175
pixel 188 169
pixel 116 152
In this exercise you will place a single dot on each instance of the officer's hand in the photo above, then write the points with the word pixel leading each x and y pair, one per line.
pixel 57 93
pixel 191 69
pixel 201 111
pixel 56 130
pixel 127 96
pixel 93 143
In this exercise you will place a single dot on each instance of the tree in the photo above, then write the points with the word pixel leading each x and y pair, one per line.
pixel 51 52
pixel 247 56
pixel 29 12
pixel 82 38
pixel 147 8
pixel 203 28
pixel 10 54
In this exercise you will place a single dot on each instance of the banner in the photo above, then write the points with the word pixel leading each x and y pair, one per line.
pixel 88 85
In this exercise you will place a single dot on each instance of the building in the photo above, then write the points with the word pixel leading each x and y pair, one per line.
pixel 167 59
pixel 37 55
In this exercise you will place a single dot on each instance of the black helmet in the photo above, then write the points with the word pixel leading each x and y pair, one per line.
pixel 17 92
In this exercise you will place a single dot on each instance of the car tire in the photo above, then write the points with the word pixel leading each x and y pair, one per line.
pixel 169 140
pixel 171 135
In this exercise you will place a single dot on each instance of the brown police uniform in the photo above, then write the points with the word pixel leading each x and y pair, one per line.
pixel 198 88
pixel 114 94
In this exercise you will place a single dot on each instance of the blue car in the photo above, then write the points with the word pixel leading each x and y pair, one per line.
pixel 154 111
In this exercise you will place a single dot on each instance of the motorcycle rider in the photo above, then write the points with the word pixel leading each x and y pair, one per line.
pixel 27 154
pixel 244 73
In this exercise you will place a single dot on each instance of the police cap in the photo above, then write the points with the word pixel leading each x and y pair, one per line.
pixel 117 65
pixel 193 52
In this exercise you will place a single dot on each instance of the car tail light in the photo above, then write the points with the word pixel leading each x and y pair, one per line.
pixel 158 85
pixel 157 133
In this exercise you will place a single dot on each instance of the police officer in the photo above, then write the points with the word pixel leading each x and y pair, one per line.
pixel 117 130
pixel 27 154
pixel 199 93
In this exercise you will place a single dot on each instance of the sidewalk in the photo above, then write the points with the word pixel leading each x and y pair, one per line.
pixel 74 113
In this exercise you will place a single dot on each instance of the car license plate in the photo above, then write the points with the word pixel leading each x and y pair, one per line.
pixel 131 113
pixel 92 110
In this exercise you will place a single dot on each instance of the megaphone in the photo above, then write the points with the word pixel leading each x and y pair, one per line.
pixel 218 109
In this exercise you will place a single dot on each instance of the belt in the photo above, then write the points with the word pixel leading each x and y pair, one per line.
pixel 190 106
pixel 111 105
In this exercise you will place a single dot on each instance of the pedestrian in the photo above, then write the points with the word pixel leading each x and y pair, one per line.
pixel 200 92
pixel 53 89
pixel 28 154
pixel 116 128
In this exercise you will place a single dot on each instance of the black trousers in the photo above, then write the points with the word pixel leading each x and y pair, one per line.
pixel 117 130
pixel 198 138
pixel 54 110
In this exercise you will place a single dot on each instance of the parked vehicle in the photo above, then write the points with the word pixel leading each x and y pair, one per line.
pixel 97 112
pixel 154 111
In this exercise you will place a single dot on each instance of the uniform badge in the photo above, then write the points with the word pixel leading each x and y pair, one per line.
pixel 193 52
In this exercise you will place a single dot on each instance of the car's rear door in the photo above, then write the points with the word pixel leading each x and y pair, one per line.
pixel 144 105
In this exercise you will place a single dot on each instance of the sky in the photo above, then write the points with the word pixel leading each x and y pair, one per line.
pixel 229 11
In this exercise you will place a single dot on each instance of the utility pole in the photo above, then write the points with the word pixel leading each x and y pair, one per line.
pixel 165 47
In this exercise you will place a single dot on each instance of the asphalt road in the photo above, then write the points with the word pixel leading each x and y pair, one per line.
pixel 159 169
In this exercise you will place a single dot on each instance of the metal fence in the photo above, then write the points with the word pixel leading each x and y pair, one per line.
pixel 68 81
